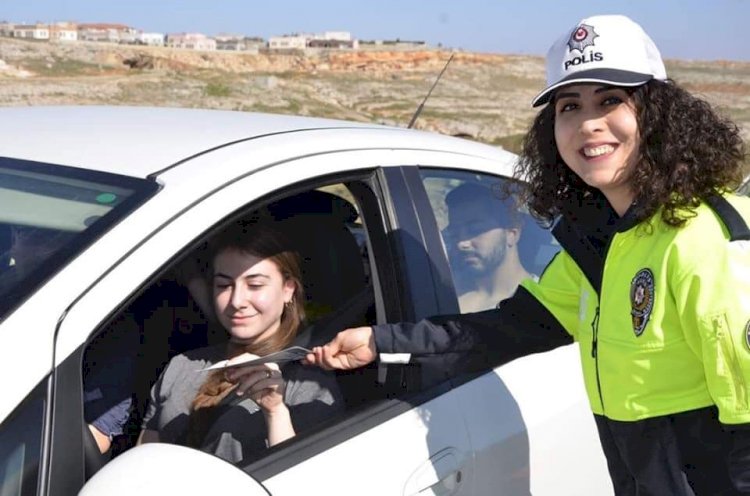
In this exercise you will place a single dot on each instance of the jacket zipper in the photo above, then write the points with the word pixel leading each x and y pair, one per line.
pixel 595 353
pixel 595 322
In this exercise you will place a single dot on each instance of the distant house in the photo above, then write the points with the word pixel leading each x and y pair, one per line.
pixel 152 39
pixel 140 38
pixel 232 42
pixel 6 29
pixel 63 31
pixel 323 43
pixel 191 41
pixel 328 39
pixel 239 43
pixel 288 42
pixel 105 32
pixel 36 31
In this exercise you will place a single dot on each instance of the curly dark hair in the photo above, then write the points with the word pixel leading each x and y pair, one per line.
pixel 687 152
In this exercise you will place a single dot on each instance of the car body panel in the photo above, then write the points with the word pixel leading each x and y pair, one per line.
pixel 541 389
pixel 401 465
pixel 139 141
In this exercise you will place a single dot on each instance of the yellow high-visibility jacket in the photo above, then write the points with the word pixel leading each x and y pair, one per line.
pixel 661 314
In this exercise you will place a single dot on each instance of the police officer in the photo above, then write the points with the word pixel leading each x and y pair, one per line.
pixel 653 280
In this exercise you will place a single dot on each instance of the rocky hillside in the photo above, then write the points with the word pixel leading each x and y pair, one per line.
pixel 483 95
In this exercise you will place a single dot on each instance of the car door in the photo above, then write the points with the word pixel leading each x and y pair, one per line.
pixel 417 442
pixel 528 419
pixel 415 439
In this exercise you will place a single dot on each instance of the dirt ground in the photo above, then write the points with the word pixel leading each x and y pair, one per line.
pixel 483 95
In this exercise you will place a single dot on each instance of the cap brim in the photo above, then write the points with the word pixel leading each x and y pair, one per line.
pixel 614 77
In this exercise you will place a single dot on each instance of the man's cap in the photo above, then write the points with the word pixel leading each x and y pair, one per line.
pixel 607 49
pixel 498 207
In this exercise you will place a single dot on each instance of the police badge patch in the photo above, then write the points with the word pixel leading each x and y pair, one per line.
pixel 583 36
pixel 641 299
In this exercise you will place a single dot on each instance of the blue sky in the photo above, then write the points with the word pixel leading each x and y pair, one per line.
pixel 685 29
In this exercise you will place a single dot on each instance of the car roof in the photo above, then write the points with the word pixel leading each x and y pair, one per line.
pixel 138 141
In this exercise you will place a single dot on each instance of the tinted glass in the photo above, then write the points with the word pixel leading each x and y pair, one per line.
pixel 492 243
pixel 50 213
pixel 20 445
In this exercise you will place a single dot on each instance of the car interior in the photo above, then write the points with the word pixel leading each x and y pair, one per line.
pixel 168 318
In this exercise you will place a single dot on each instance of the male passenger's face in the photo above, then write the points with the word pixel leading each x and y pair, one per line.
pixel 480 243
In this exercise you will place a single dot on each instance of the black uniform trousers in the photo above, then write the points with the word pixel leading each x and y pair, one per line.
pixel 683 454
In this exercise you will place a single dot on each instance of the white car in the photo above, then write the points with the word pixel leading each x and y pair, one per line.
pixel 99 205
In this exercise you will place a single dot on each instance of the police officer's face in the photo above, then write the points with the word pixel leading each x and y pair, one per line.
pixel 596 132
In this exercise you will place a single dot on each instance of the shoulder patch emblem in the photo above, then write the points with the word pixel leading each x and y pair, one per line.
pixel 641 299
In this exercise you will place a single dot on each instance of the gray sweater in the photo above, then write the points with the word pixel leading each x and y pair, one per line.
pixel 239 430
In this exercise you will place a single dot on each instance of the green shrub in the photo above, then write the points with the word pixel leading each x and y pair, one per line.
pixel 217 90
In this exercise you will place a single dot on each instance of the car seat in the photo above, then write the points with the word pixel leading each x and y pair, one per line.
pixel 338 292
pixel 315 223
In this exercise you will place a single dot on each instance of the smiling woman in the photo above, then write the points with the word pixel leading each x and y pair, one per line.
pixel 257 298
pixel 597 132
pixel 637 175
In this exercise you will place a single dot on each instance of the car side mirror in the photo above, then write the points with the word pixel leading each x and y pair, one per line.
pixel 159 468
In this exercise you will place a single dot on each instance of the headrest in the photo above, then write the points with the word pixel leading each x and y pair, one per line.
pixel 314 202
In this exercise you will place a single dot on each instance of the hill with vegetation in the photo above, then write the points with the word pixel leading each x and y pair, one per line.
pixel 485 96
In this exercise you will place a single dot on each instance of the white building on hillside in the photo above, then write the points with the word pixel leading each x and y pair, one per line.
pixel 239 43
pixel 63 31
pixel 36 31
pixel 288 42
pixel 191 41
pixel 104 32
pixel 151 39
pixel 328 39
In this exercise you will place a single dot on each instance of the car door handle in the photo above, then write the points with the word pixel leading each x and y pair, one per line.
pixel 440 475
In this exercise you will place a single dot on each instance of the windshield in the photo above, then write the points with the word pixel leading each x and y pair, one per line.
pixel 48 214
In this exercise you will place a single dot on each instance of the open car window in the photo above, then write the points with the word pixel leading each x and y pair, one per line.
pixel 174 314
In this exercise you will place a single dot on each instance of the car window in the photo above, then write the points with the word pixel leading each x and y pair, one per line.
pixel 20 445
pixel 491 241
pixel 51 213
pixel 174 314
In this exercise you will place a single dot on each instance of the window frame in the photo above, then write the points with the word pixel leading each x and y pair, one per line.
pixel 67 421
